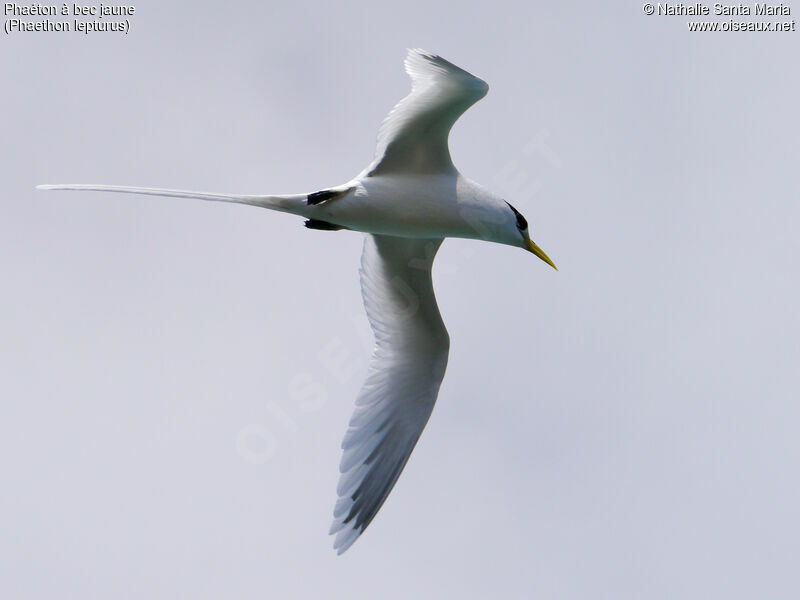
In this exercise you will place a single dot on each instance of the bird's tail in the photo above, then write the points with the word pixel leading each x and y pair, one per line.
pixel 293 203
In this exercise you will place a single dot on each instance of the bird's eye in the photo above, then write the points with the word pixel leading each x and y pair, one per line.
pixel 522 224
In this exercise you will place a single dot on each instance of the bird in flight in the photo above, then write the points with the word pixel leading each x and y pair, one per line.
pixel 406 202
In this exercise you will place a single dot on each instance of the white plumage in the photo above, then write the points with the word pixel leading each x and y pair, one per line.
pixel 407 367
pixel 413 137
pixel 407 201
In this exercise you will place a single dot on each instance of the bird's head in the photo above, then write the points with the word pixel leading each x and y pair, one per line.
pixel 523 238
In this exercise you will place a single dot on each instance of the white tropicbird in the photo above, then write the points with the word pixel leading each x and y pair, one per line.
pixel 407 201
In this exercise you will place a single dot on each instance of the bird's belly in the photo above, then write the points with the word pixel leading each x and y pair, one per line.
pixel 407 206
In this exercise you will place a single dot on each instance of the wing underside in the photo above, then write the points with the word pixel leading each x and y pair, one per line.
pixel 413 137
pixel 406 370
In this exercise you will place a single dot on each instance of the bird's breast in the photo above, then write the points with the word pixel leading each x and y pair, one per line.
pixel 407 206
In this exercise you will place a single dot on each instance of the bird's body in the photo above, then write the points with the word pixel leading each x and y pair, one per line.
pixel 419 205
pixel 407 201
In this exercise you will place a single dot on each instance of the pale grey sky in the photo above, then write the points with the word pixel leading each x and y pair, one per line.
pixel 177 375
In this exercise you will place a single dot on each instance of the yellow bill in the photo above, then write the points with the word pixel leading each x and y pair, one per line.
pixel 540 253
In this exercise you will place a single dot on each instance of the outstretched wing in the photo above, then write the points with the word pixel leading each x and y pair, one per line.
pixel 413 137
pixel 407 367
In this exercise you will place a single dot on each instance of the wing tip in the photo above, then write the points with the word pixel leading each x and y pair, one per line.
pixel 421 64
pixel 345 537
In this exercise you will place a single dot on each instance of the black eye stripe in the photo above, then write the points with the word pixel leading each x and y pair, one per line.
pixel 522 224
